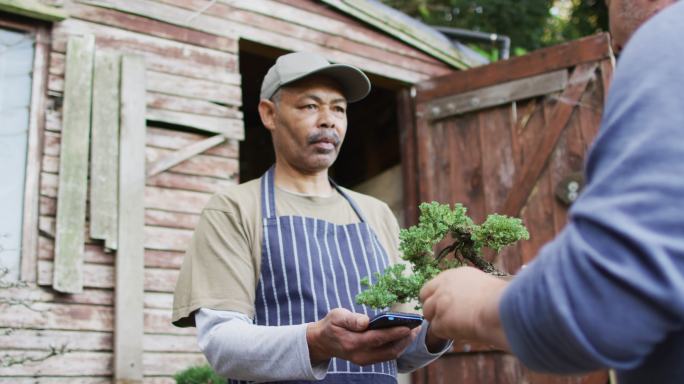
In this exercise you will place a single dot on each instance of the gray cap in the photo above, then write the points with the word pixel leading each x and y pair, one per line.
pixel 298 65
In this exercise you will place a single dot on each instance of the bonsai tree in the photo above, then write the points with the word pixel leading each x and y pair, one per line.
pixel 202 374
pixel 438 222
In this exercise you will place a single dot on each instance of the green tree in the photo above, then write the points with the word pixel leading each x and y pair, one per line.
pixel 530 24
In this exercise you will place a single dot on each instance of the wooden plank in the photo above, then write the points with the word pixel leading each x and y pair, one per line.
pixel 168 200
pixel 29 339
pixel 74 317
pixel 194 88
pixel 195 106
pixel 498 165
pixel 71 202
pixel 407 137
pixel 499 94
pixel 33 9
pixel 155 61
pixel 152 27
pixel 256 33
pixel 161 218
pixel 567 55
pixel 159 321
pixel 172 139
pixel 96 275
pixel 50 164
pixel 168 364
pixel 61 380
pixel 200 165
pixel 94 253
pixel 159 300
pixel 526 178
pixel 230 128
pixel 190 182
pixel 170 343
pixel 104 162
pixel 33 159
pixel 137 43
pixel 130 265
pixel 167 239
pixel 33 294
pixel 102 276
pixel 181 155
pixel 64 363
pixel 163 259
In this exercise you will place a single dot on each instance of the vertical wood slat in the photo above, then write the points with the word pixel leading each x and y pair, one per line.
pixel 104 161
pixel 29 242
pixel 128 332
pixel 73 166
pixel 407 137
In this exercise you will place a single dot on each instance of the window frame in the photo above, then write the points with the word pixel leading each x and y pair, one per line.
pixel 34 151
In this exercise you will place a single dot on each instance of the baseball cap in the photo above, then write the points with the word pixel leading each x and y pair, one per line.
pixel 298 65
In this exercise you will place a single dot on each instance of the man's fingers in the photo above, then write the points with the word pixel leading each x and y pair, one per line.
pixel 348 320
pixel 428 290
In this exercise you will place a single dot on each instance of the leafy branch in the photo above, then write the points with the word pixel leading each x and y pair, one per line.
pixel 417 245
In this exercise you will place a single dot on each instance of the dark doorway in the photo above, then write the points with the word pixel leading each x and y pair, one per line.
pixel 372 142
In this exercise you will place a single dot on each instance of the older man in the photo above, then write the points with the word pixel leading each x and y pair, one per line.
pixel 609 290
pixel 275 264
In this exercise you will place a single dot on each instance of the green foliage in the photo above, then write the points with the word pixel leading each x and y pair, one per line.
pixel 417 244
pixel 529 23
pixel 202 374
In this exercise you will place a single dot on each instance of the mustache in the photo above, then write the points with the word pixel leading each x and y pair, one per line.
pixel 329 136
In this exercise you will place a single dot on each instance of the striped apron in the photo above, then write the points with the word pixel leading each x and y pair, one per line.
pixel 310 266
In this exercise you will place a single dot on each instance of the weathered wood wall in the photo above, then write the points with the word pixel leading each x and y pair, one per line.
pixel 192 81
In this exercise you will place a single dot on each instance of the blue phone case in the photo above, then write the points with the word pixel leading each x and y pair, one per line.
pixel 395 319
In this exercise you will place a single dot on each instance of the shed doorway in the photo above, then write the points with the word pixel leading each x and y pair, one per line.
pixel 370 157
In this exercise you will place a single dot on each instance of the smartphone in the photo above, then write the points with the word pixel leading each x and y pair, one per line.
pixel 395 319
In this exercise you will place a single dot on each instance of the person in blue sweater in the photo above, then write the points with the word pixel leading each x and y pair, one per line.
pixel 608 291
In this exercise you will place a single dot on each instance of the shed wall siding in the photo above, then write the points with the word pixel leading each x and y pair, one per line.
pixel 192 76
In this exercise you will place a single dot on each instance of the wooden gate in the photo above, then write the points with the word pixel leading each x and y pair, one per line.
pixel 511 138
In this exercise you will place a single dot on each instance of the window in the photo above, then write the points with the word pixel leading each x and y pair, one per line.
pixel 16 67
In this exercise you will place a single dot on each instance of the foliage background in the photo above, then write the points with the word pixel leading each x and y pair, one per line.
pixel 531 24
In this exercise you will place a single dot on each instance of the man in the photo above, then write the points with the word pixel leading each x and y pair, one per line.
pixel 275 264
pixel 609 290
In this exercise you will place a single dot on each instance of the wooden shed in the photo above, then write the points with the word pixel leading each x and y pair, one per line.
pixel 124 117
pixel 120 118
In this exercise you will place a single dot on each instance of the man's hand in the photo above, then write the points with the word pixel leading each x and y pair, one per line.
pixel 344 334
pixel 463 304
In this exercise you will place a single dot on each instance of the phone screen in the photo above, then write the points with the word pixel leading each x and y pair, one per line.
pixel 395 319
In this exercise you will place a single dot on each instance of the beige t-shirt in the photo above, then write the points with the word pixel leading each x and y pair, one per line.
pixel 222 264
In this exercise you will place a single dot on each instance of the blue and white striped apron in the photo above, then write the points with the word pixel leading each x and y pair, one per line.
pixel 310 266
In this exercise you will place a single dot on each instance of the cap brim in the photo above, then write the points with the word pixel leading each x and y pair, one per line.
pixel 355 85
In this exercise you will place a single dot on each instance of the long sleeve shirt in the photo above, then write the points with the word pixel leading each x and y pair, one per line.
pixel 238 349
pixel 609 290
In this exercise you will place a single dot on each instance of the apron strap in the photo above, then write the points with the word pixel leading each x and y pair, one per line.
pixel 268 209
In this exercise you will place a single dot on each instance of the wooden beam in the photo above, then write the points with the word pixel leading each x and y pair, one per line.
pixel 29 241
pixel 181 155
pixel 73 166
pixel 130 268
pixel 527 177
pixel 409 160
pixel 33 9
pixel 232 128
pixel 498 94
pixel 589 49
pixel 104 171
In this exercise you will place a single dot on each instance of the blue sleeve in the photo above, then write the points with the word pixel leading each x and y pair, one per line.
pixel 610 287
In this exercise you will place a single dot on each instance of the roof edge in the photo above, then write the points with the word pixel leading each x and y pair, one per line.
pixel 404 32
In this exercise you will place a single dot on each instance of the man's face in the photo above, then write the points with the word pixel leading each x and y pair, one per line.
pixel 308 122
pixel 626 16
